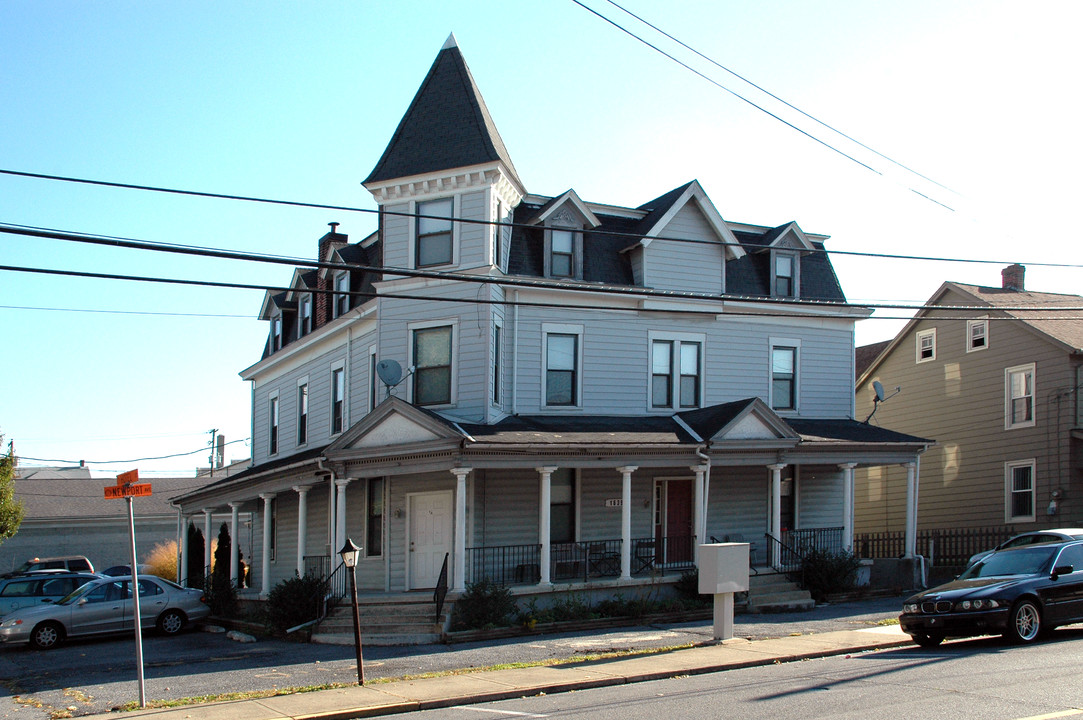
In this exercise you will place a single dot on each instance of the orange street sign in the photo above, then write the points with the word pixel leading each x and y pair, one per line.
pixel 127 478
pixel 116 492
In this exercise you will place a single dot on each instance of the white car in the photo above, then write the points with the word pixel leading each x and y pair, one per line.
pixel 104 606
pixel 1035 537
pixel 37 588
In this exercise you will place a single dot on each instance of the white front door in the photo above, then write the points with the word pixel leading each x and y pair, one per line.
pixel 430 518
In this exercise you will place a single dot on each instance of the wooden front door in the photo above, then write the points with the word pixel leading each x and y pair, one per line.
pixel 430 538
pixel 673 520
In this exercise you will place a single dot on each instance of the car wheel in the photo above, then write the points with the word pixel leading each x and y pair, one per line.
pixel 927 641
pixel 171 622
pixel 46 635
pixel 1024 622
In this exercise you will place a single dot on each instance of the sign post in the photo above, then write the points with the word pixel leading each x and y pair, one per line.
pixel 127 489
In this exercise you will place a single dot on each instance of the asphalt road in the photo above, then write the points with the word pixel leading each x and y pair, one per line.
pixel 93 676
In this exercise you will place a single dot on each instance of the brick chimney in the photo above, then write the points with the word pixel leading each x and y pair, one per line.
pixel 322 300
pixel 1011 277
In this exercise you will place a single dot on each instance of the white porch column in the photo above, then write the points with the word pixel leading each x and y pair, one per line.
pixel 458 581
pixel 340 512
pixel 265 567
pixel 910 541
pixel 626 521
pixel 544 523
pixel 234 546
pixel 207 540
pixel 776 510
pixel 699 525
pixel 848 505
pixel 302 526
pixel 182 563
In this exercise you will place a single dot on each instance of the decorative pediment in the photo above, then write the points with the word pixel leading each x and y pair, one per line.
pixel 791 237
pixel 567 209
pixel 756 423
pixel 395 423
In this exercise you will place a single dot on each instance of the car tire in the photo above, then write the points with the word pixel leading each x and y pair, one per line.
pixel 1024 622
pixel 927 641
pixel 171 622
pixel 47 635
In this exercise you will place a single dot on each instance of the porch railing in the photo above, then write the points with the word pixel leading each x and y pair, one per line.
pixel 317 565
pixel 943 547
pixel 503 564
pixel 828 540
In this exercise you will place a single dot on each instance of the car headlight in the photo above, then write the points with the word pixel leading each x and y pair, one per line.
pixel 977 605
pixel 11 623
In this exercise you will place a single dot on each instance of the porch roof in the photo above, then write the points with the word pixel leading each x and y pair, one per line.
pixel 581 430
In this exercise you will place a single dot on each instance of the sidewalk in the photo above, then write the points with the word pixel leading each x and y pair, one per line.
pixel 386 698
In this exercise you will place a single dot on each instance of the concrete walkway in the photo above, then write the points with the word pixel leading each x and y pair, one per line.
pixel 386 698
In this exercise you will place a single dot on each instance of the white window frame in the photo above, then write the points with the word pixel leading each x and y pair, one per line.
pixel 1009 490
pixel 576 255
pixel 453 323
pixel 1008 398
pixel 368 515
pixel 374 387
pixel 338 365
pixel 303 383
pixel 561 329
pixel 496 362
pixel 675 369
pixel 277 324
pixel 304 319
pixel 795 265
pixel 274 424
pixel 971 326
pixel 775 344
pixel 456 211
pixel 341 294
pixel 919 337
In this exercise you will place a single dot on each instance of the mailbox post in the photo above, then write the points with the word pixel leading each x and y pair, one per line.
pixel 723 571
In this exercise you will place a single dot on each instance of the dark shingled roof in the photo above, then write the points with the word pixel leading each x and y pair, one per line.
pixel 446 126
pixel 866 354
pixel 580 429
pixel 751 274
pixel 709 420
pixel 848 431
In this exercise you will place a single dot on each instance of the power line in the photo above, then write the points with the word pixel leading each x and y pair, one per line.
pixel 122 312
pixel 121 462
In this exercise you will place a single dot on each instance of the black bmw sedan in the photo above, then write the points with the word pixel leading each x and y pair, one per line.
pixel 1019 592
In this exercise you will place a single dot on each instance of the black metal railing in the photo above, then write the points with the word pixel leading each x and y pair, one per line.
pixel 504 564
pixel 440 593
pixel 944 547
pixel 784 557
pixel 317 565
pixel 824 540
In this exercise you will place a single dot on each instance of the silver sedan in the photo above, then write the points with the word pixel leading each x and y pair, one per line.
pixel 105 606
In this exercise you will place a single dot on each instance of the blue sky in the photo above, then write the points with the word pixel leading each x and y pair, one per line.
pixel 296 101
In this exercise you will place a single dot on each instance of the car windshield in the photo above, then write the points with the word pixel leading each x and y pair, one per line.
pixel 1018 561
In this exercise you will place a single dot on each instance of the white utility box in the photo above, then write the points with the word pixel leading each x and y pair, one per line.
pixel 723 571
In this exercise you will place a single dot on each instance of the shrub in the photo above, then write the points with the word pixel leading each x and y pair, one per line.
pixel 163 560
pixel 829 572
pixel 484 604
pixel 294 602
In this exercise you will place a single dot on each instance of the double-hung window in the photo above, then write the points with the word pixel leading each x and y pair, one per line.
pixel 342 293
pixel 1019 396
pixel 432 363
pixel 496 365
pixel 562 253
pixel 338 398
pixel 302 413
pixel 304 327
pixel 977 335
pixel 1019 487
pixel 272 445
pixel 561 369
pixel 676 372
pixel 925 345
pixel 276 333
pixel 562 506
pixel 434 233
pixel 785 275
pixel 374 519
pixel 784 376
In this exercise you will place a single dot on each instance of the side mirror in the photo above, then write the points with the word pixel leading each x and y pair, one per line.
pixel 1062 570
pixel 82 601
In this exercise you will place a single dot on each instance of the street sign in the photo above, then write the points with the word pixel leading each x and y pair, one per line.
pixel 114 492
pixel 127 478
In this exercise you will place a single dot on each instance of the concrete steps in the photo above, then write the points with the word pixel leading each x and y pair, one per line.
pixel 407 619
pixel 773 592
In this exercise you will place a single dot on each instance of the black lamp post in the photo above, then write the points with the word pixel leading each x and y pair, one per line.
pixel 349 554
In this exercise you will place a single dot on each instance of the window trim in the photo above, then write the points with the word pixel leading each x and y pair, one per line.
pixel 374 388
pixel 561 329
pixel 341 294
pixel 919 336
pixel 576 257
pixel 971 325
pixel 574 504
pixel 1008 397
pixel 411 329
pixel 778 344
pixel 303 411
pixel 344 418
pixel 304 319
pixel 277 323
pixel 415 245
pixel 369 515
pixel 1009 490
pixel 497 362
pixel 677 340
pixel 274 424
pixel 794 276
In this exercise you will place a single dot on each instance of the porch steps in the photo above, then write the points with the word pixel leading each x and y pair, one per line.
pixel 406 619
pixel 773 592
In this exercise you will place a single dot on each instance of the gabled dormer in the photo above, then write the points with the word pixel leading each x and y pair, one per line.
pixel 302 294
pixel 282 314
pixel 786 245
pixel 445 161
pixel 564 219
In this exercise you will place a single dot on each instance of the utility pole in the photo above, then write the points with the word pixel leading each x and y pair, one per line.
pixel 214 449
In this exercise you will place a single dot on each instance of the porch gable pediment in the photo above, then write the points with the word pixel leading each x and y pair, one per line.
pixel 395 422
pixel 758 423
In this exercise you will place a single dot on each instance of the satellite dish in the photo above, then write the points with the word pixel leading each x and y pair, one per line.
pixel 878 388
pixel 390 372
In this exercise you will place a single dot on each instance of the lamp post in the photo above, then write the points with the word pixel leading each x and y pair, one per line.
pixel 349 554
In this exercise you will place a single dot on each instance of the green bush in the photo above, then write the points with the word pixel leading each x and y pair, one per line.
pixel 484 604
pixel 829 572
pixel 293 602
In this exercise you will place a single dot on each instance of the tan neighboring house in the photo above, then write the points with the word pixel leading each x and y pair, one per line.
pixel 998 389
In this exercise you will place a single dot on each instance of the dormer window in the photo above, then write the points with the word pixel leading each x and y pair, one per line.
pixel 342 290
pixel 785 275
pixel 562 253
pixel 304 325
pixel 434 233
pixel 276 333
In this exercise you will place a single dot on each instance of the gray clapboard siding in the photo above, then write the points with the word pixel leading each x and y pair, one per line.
pixel 665 264
pixel 737 503
pixel 473 238
pixel 820 493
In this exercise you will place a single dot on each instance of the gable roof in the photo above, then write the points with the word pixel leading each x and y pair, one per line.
pixel 446 126
pixel 662 209
pixel 58 498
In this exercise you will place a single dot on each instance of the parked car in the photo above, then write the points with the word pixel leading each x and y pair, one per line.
pixel 1019 592
pixel 37 587
pixel 118 570
pixel 1032 538
pixel 104 606
pixel 71 563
